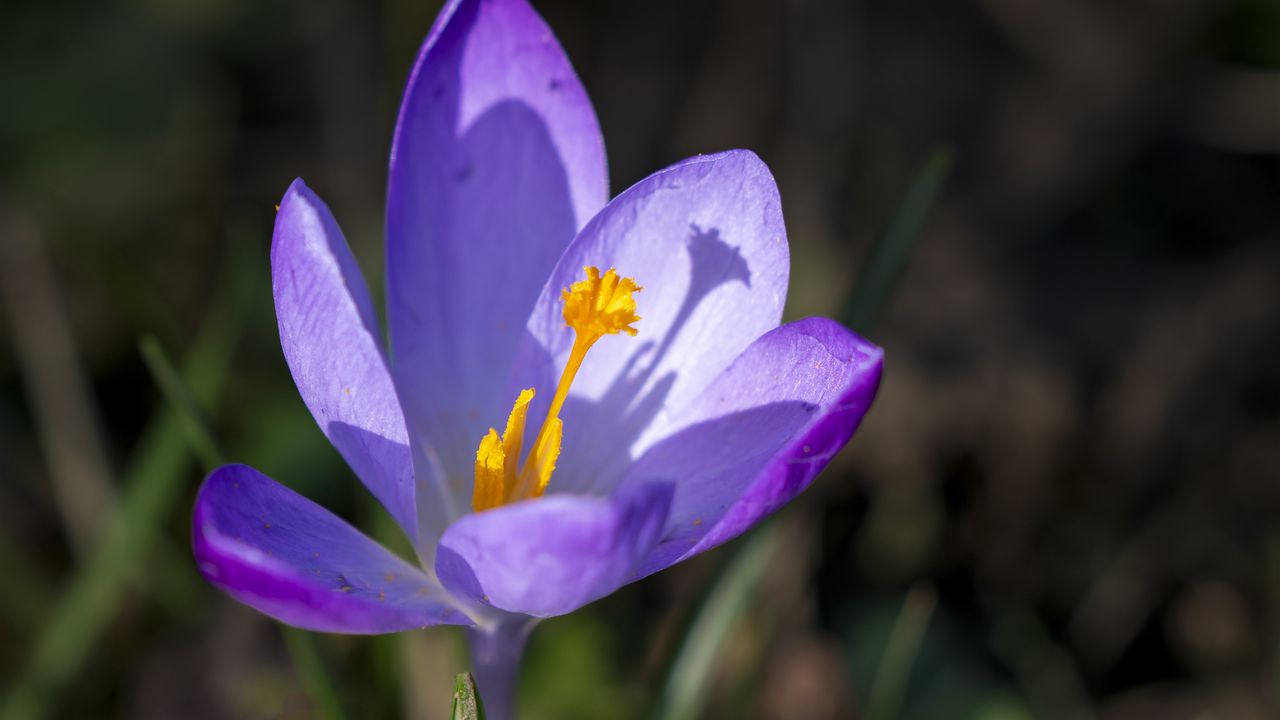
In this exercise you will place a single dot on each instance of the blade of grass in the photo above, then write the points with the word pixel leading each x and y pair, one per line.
pixel 190 421
pixel 308 661
pixel 69 433
pixel 880 275
pixel 890 684
pixel 890 254
pixel 178 588
pixel 150 490
pixel 685 693
pixel 27 593
pixel 1044 670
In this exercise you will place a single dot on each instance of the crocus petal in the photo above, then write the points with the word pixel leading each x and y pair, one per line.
pixel 496 162
pixel 287 557
pixel 759 433
pixel 553 555
pixel 705 239
pixel 331 341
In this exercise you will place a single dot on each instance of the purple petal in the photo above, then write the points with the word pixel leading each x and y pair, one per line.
pixel 759 433
pixel 553 555
pixel 287 557
pixel 705 239
pixel 329 333
pixel 497 161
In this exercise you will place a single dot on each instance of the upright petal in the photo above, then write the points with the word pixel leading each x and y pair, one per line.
pixel 287 557
pixel 553 555
pixel 497 161
pixel 705 239
pixel 758 434
pixel 329 333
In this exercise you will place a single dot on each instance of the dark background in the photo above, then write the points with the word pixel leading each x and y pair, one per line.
pixel 1070 480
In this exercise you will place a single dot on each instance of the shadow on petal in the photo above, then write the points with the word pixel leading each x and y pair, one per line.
pixel 481 204
pixel 602 434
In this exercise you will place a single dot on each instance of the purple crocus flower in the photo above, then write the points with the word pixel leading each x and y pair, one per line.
pixel 648 449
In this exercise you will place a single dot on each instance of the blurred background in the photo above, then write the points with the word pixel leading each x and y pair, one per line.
pixel 1063 505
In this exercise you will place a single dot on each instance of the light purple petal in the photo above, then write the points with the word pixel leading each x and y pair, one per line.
pixel 759 433
pixel 287 557
pixel 553 555
pixel 497 161
pixel 329 333
pixel 705 239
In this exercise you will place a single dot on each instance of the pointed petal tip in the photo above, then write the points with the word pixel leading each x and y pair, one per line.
pixel 497 161
pixel 333 345
pixel 838 336
pixel 298 190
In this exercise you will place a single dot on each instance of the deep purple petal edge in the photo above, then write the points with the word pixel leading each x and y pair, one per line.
pixel 794 466
pixel 292 560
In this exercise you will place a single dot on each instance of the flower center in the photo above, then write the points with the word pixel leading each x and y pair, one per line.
pixel 594 307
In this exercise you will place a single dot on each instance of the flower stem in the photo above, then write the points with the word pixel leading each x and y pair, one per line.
pixel 496 653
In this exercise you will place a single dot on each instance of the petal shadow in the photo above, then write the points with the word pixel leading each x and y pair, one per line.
pixel 497 160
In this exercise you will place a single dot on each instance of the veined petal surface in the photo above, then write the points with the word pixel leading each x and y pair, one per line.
pixel 705 239
pixel 758 435
pixel 289 558
pixel 553 555
pixel 496 162
pixel 332 344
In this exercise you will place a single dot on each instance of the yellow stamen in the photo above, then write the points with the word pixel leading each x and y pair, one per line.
pixel 541 463
pixel 513 439
pixel 496 460
pixel 594 307
pixel 490 467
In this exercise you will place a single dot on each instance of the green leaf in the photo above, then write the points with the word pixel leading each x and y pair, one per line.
pixel 685 693
pixel 190 420
pixel 889 687
pixel 889 256
pixel 466 700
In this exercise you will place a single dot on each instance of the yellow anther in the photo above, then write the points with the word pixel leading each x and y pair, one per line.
pixel 595 307
pixel 513 439
pixel 490 467
pixel 497 460
pixel 541 463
